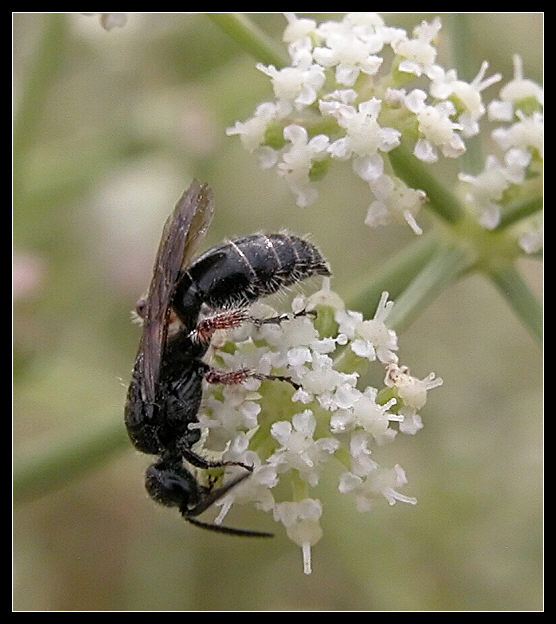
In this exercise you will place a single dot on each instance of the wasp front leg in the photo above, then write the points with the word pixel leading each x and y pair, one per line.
pixel 231 319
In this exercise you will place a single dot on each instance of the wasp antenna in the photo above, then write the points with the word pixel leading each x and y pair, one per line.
pixel 218 528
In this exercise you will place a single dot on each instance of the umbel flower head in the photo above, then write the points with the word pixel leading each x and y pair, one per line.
pixel 518 166
pixel 291 433
pixel 356 89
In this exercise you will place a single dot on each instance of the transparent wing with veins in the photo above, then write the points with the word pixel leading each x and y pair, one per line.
pixel 182 232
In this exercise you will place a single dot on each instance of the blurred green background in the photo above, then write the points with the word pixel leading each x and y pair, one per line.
pixel 110 127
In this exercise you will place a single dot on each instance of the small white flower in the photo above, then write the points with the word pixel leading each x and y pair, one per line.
pixel 360 452
pixel 299 451
pixel 418 54
pixel 256 489
pixel 411 390
pixel 365 417
pixel 487 189
pixel 326 345
pixel 301 520
pixel 252 357
pixel 437 128
pixel 370 28
pixel 236 411
pixel 374 418
pixel 531 241
pixel 395 202
pixel 252 131
pixel 321 380
pixel 346 395
pixel 292 335
pixel 526 133
pixel 445 84
pixel 412 422
pixel 334 100
pixel 348 54
pixel 298 356
pixel 500 111
pixel 379 482
pixel 371 339
pixel 348 321
pixel 298 28
pixel 364 136
pixel 515 92
pixel 297 85
pixel 516 161
pixel 297 160
pixel 522 144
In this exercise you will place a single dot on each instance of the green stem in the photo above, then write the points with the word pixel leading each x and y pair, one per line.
pixel 417 175
pixel 38 78
pixel 519 210
pixel 251 38
pixel 300 488
pixel 393 276
pixel 443 268
pixel 460 35
pixel 57 464
pixel 520 298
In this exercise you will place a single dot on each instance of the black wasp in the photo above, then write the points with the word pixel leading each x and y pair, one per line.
pixel 165 392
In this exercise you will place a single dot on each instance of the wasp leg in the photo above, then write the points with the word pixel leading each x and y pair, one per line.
pixel 278 320
pixel 201 462
pixel 216 376
pixel 206 327
pixel 231 319
pixel 218 528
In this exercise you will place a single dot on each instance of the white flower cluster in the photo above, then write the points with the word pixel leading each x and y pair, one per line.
pixel 520 139
pixel 343 100
pixel 289 432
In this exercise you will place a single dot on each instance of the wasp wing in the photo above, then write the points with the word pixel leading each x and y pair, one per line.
pixel 182 231
pixel 200 223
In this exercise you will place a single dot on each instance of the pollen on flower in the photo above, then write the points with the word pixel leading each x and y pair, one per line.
pixel 411 390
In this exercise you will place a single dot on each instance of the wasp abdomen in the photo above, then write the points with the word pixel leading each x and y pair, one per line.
pixel 239 271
